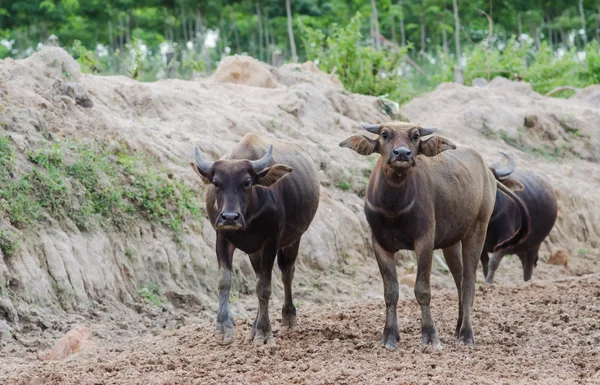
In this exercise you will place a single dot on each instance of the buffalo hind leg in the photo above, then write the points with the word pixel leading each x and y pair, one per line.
pixel 262 262
pixel 453 258
pixel 387 268
pixel 286 259
pixel 224 318
pixel 485 260
pixel 529 261
pixel 423 294
pixel 495 260
pixel 472 246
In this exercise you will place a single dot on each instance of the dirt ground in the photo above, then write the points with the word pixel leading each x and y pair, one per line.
pixel 544 332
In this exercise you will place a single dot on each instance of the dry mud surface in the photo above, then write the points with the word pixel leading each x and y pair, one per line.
pixel 544 332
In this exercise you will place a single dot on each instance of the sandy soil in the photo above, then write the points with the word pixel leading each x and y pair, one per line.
pixel 547 331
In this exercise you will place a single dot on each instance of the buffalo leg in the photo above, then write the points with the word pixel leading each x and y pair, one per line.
pixel 224 318
pixel 529 261
pixel 485 259
pixel 493 266
pixel 453 258
pixel 286 259
pixel 387 268
pixel 471 251
pixel 263 267
pixel 423 295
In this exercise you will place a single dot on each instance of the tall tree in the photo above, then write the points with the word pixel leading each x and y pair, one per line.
pixel 290 25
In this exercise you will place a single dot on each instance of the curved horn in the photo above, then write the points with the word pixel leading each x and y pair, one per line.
pixel 424 131
pixel 203 165
pixel 505 171
pixel 373 128
pixel 261 163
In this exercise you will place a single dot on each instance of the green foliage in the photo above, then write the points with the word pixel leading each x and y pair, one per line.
pixel 8 244
pixel 87 59
pixel 151 294
pixel 81 182
pixel 359 67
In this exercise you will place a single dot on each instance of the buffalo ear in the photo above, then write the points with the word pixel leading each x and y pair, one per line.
pixel 361 144
pixel 270 175
pixel 513 184
pixel 206 179
pixel 435 145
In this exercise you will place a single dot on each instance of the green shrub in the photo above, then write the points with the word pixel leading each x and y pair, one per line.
pixel 360 68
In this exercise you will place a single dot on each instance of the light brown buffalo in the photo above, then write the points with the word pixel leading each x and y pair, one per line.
pixel 423 198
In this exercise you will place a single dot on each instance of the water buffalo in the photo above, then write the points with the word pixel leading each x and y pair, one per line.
pixel 422 203
pixel 538 196
pixel 256 203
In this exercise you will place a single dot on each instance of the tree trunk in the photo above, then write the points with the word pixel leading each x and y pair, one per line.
pixel 445 41
pixel 288 10
pixel 582 15
pixel 394 29
pixel 598 24
pixel 235 33
pixel 549 25
pixel 402 31
pixel 121 31
pixel 519 24
pixel 456 32
pixel 563 38
pixel 184 26
pixel 198 22
pixel 260 35
pixel 110 33
pixel 422 27
pixel 190 24
pixel 376 24
pixel 535 32
pixel 128 30
pixel 267 40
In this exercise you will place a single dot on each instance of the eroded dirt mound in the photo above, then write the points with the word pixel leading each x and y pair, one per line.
pixel 546 332
pixel 244 70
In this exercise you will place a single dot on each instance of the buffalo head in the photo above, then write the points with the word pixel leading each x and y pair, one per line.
pixel 233 181
pixel 398 143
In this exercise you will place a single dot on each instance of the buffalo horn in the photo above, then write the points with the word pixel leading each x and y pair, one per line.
pixel 261 163
pixel 373 128
pixel 505 171
pixel 203 165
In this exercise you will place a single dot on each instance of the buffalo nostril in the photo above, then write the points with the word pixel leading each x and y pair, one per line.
pixel 395 152
pixel 408 153
pixel 235 216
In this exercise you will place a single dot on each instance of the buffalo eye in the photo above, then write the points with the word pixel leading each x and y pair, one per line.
pixel 216 184
pixel 247 184
pixel 384 135
pixel 415 137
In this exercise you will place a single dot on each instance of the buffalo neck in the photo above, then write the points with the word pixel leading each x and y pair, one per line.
pixel 391 193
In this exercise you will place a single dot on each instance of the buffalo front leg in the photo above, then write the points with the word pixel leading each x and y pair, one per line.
pixel 472 246
pixel 263 267
pixel 225 324
pixel 453 258
pixel 286 259
pixel 387 268
pixel 495 260
pixel 424 254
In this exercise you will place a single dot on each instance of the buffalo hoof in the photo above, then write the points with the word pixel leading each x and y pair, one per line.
pixel 224 334
pixel 431 338
pixel 261 339
pixel 389 340
pixel 466 337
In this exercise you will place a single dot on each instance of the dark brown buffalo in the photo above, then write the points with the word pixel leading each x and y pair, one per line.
pixel 538 196
pixel 258 205
pixel 421 203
